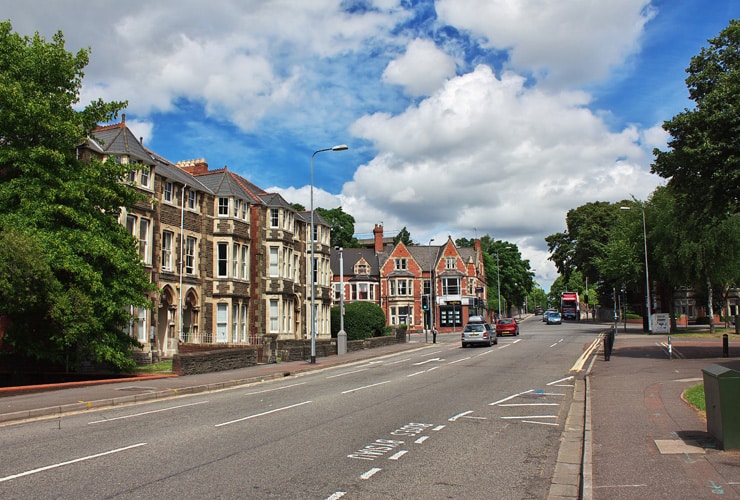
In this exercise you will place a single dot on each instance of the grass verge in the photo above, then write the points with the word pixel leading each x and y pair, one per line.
pixel 695 397
pixel 161 367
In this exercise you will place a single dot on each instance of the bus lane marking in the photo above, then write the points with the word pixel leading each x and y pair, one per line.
pixel 370 473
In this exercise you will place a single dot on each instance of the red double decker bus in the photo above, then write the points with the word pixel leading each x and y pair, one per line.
pixel 570 305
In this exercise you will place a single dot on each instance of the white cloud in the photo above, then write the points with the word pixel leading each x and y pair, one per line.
pixel 560 42
pixel 421 70
pixel 493 156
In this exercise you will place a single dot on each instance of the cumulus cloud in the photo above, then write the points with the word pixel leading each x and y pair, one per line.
pixel 560 43
pixel 421 70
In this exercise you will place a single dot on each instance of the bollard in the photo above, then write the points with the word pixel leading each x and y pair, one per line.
pixel 725 346
pixel 434 336
pixel 608 344
pixel 426 336
pixel 670 349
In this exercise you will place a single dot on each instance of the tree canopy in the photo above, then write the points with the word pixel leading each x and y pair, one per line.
pixel 342 227
pixel 80 269
pixel 703 163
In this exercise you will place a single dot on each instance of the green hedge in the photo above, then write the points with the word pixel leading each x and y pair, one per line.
pixel 361 320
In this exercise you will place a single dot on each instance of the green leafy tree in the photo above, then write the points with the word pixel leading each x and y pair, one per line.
pixel 342 227
pixel 702 164
pixel 64 210
pixel 403 236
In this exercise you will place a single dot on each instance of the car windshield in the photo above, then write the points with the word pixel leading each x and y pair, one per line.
pixel 474 328
pixel 505 322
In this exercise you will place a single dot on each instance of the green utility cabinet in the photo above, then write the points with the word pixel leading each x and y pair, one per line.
pixel 722 397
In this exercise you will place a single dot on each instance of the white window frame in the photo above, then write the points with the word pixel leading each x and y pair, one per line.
pixel 168 190
pixel 223 206
pixel 222 259
pixel 167 239
pixel 274 262
pixel 274 307
pixel 190 246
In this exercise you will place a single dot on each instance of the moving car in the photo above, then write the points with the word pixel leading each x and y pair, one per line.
pixel 507 326
pixel 478 331
pixel 538 310
pixel 554 318
pixel 546 314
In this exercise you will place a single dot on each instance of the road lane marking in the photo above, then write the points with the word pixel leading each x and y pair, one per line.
pixel 69 462
pixel 531 404
pixel 365 387
pixel 439 427
pixel 458 360
pixel 370 473
pixel 459 415
pixel 510 397
pixel 273 389
pixel 564 379
pixel 578 365
pixel 421 439
pixel 145 413
pixel 336 496
pixel 398 455
pixel 399 361
pixel 529 416
pixel 263 413
pixel 538 423
pixel 347 373
pixel 427 361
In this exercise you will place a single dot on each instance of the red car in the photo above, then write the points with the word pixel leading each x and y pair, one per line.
pixel 507 326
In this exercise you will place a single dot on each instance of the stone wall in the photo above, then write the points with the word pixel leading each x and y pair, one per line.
pixel 217 360
pixel 194 359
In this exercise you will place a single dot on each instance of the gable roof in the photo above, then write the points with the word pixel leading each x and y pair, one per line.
pixel 117 139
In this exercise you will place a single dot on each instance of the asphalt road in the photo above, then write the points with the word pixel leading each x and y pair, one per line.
pixel 439 422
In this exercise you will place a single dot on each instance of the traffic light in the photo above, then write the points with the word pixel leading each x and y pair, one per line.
pixel 425 302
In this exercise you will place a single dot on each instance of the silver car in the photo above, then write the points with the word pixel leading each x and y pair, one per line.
pixel 478 333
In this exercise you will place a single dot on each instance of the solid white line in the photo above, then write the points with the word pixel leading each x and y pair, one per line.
pixel 365 387
pixel 54 466
pixel 263 413
pixel 398 455
pixel 530 416
pixel 275 389
pixel 561 380
pixel 347 373
pixel 540 423
pixel 421 439
pixel 531 404
pixel 510 397
pixel 145 413
pixel 370 473
pixel 455 417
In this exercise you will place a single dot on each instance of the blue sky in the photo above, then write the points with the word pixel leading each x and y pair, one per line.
pixel 462 117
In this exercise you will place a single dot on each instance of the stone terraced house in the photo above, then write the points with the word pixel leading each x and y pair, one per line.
pixel 230 260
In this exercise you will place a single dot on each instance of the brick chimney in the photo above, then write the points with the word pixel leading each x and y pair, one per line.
pixel 378 236
pixel 194 167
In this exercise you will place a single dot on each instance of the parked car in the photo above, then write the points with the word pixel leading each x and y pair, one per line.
pixel 507 326
pixel 554 318
pixel 475 333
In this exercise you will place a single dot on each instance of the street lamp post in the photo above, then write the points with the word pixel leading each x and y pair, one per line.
pixel 498 286
pixel 431 289
pixel 647 273
pixel 340 147
pixel 341 335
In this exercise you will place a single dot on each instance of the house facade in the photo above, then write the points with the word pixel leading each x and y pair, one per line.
pixel 231 261
pixel 424 287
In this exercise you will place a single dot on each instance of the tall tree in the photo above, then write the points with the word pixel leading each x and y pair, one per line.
pixel 64 210
pixel 703 163
pixel 342 227
pixel 403 236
